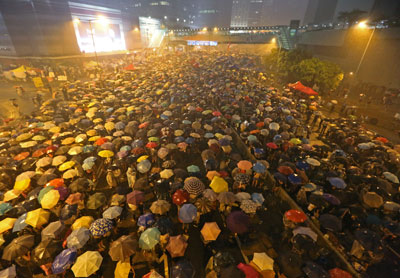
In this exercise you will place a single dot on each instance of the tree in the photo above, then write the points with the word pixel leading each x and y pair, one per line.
pixel 351 17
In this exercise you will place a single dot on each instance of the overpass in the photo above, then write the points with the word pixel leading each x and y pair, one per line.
pixel 235 35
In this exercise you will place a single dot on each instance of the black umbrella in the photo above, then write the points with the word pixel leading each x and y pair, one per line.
pixel 46 251
pixel 18 247
pixel 331 222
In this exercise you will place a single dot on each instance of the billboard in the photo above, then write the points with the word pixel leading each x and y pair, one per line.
pixel 97 28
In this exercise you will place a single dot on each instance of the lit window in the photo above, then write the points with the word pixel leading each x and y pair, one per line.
pixel 164 3
pixel 154 4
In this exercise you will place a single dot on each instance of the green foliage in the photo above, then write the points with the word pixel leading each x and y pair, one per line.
pixel 298 65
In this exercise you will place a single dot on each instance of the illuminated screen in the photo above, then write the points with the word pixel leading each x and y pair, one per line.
pixel 151 32
pixel 97 28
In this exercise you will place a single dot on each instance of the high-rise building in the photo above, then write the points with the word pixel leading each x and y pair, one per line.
pixel 385 9
pixel 240 13
pixel 320 11
pixel 211 13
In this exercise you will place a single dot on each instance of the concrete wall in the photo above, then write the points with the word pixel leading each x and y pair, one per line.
pixel 381 65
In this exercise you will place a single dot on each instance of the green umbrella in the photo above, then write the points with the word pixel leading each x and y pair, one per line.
pixel 149 238
pixel 193 169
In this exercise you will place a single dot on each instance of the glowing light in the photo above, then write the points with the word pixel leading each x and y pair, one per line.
pixel 215 29
pixel 76 20
pixel 205 29
pixel 273 40
pixel 102 20
pixel 362 25
pixel 351 73
pixel 136 29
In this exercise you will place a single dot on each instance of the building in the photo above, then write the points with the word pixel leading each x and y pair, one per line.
pixel 211 13
pixel 385 9
pixel 240 13
pixel 320 12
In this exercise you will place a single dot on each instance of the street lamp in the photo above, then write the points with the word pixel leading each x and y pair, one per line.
pixel 363 25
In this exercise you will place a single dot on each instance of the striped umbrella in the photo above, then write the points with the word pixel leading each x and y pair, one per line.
pixel 193 186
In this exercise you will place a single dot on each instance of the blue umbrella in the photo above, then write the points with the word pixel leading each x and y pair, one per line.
pixel 64 260
pixel 190 140
pixel 4 207
pixel 146 220
pixel 294 179
pixel 187 213
pixel 302 165
pixel 179 139
pixel 337 182
pixel 258 198
pixel 20 224
pixel 280 177
pixel 224 142
pixel 259 151
pixel 100 227
pixel 258 167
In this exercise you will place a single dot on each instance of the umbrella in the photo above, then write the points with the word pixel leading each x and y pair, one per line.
pixel 160 207
pixel 210 195
pixel 226 198
pixel 218 184
pixel 238 222
pixel 258 198
pixel 87 264
pixel 166 173
pixel 50 199
pixel 193 186
pixel 106 153
pixel 203 205
pixel 339 273
pixel 112 212
pixel 258 167
pixel 122 248
pixel 44 162
pixel 5 207
pixel 177 246
pixel 122 269
pixel 146 220
pixel 337 182
pixel 66 165
pixel 144 166
pixel 7 224
pixel 391 177
pixel 193 169
pixel 187 213
pixel 20 224
pixel 75 150
pixel 136 197
pixel 313 162
pixel 22 185
pixel 37 218
pixel 210 231
pixel 331 199
pixel 96 200
pixel 21 156
pixel 330 222
pixel 180 197
pixel 248 206
pixel 46 250
pixel 263 261
pixel 58 160
pixel 149 238
pixel 74 198
pixel 53 230
pixel 78 238
pixel 305 231
pixel 372 200
pixel 183 269
pixel 100 227
pixel 18 247
pixel 286 170
pixel 9 272
pixel 244 165
pixel 241 196
pixel 295 216
pixel 82 222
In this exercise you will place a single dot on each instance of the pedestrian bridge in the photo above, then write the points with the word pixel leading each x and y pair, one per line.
pixel 236 35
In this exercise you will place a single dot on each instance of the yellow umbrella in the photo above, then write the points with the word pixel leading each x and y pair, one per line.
pixel 55 129
pixel 94 138
pixel 122 269
pixel 66 165
pixel 7 224
pixel 28 144
pixel 11 195
pixel 210 231
pixel 142 158
pixel 263 261
pixel 219 185
pixel 68 141
pixel 5 134
pixel 166 174
pixel 24 137
pixel 22 185
pixel 50 199
pixel 87 264
pixel 97 120
pixel 38 138
pixel 109 126
pixel 70 174
pixel 106 153
pixel 84 221
pixel 37 218
pixel 91 132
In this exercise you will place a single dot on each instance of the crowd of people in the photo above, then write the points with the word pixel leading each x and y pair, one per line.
pixel 174 168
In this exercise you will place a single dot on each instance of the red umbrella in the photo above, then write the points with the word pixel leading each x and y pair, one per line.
pixel 51 149
pixel 295 216
pixel 144 125
pixel 199 109
pixel 21 156
pixel 339 273
pixel 382 139
pixel 151 145
pixel 129 67
pixel 39 152
pixel 101 141
pixel 136 197
pixel 138 151
pixel 56 182
pixel 216 113
pixel 272 145
pixel 286 170
pixel 248 270
pixel 260 124
pixel 180 197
